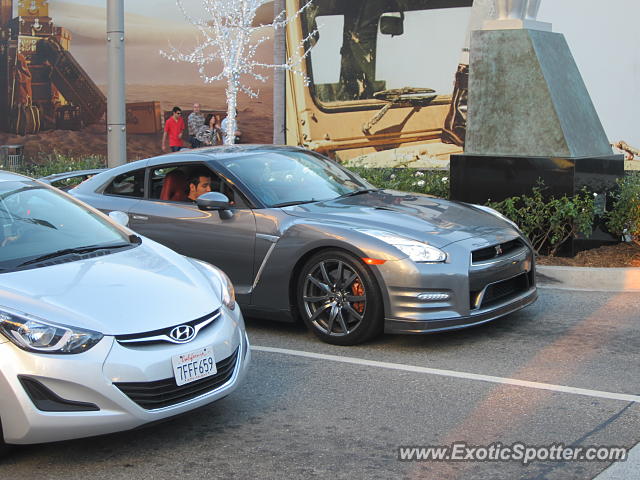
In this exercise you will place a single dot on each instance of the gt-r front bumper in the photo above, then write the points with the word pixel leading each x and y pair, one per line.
pixel 478 318
pixel 464 291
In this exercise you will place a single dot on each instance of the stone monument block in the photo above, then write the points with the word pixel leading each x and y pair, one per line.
pixel 530 119
pixel 527 98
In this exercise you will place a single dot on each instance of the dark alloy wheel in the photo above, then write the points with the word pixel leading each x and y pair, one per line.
pixel 338 298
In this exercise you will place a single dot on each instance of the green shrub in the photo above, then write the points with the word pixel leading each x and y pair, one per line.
pixel 57 163
pixel 624 217
pixel 548 223
pixel 430 182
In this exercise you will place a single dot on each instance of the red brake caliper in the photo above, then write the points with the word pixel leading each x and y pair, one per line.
pixel 358 290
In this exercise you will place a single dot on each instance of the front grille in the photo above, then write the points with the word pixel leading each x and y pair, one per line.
pixel 163 334
pixel 499 291
pixel 495 251
pixel 164 393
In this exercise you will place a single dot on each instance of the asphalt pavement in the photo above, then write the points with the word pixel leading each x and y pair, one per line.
pixel 563 371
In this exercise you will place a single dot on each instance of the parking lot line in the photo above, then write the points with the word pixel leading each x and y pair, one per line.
pixel 452 373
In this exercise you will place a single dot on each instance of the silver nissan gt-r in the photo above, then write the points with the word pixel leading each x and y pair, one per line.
pixel 301 236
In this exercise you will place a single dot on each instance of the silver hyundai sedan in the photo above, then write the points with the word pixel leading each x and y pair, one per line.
pixel 102 330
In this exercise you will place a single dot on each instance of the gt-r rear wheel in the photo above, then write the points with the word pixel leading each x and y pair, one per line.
pixel 338 298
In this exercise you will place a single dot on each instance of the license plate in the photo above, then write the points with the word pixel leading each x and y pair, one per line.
pixel 195 365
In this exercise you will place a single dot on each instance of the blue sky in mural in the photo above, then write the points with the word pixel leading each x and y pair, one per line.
pixel 150 26
pixel 150 8
pixel 164 9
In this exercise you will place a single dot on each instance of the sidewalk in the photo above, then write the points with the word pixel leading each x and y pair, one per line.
pixel 589 279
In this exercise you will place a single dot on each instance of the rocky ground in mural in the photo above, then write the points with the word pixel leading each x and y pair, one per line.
pixel 254 119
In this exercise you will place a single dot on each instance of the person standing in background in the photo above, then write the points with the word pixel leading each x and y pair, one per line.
pixel 173 128
pixel 210 133
pixel 195 120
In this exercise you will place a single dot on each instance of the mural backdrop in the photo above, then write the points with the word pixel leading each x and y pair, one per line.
pixel 53 69
pixel 54 74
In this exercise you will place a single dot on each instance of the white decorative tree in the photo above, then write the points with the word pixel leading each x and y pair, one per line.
pixel 230 36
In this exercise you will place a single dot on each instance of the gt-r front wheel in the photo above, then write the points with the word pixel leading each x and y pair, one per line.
pixel 338 298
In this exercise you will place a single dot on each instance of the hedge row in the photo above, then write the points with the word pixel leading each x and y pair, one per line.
pixel 547 222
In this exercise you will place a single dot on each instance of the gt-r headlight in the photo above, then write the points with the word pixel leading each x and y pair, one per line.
pixel 227 292
pixel 35 335
pixel 414 249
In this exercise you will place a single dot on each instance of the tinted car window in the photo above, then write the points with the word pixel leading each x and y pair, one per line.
pixel 130 184
pixel 171 184
pixel 291 176
pixel 168 183
pixel 36 221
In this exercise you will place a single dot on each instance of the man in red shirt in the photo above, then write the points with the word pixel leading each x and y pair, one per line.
pixel 174 126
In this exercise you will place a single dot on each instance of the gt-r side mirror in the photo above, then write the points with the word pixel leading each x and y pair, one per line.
pixel 215 201
pixel 119 217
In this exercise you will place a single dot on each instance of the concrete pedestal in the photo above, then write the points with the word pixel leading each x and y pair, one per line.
pixel 530 118
pixel 482 178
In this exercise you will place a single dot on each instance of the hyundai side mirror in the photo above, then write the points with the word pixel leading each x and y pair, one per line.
pixel 119 217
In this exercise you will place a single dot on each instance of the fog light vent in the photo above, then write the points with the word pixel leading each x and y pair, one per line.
pixel 47 401
pixel 434 297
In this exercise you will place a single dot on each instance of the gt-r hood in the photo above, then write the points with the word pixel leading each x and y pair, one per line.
pixel 141 289
pixel 436 221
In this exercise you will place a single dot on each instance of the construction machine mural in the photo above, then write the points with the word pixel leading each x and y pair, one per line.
pixel 385 84
pixel 42 86
pixel 53 72
pixel 386 80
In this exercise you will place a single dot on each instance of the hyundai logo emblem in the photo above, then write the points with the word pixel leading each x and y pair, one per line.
pixel 182 333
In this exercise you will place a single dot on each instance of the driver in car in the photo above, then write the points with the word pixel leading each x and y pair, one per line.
pixel 199 183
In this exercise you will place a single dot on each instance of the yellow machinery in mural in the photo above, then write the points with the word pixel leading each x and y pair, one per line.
pixel 43 87
pixel 385 85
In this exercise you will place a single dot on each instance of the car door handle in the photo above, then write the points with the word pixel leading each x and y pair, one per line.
pixel 139 217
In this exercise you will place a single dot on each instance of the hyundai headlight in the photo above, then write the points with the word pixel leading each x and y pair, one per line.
pixel 227 292
pixel 414 249
pixel 35 335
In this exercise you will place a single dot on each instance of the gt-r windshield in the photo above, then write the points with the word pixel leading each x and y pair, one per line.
pixel 38 222
pixel 292 177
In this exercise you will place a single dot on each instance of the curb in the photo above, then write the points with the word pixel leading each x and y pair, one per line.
pixel 589 279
